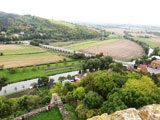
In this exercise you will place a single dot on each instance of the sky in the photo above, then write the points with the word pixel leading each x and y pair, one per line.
pixel 146 12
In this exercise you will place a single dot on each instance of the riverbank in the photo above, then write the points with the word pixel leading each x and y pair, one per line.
pixel 10 88
pixel 26 73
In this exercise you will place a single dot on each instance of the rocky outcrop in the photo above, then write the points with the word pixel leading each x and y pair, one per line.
pixel 150 112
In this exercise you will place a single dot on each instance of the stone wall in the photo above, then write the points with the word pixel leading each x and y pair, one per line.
pixel 55 102
pixel 149 112
pixel 34 112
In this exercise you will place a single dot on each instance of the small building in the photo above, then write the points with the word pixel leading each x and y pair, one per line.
pixel 72 81
pixel 142 68
pixel 78 77
pixel 21 33
pixel 155 64
pixel 130 68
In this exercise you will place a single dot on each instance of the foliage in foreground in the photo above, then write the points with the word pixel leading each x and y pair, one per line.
pixel 107 91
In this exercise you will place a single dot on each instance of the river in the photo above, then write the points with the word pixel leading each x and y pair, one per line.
pixel 10 88
pixel 150 51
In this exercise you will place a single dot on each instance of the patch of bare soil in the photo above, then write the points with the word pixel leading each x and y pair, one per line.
pixel 28 61
pixel 119 50
pixel 10 47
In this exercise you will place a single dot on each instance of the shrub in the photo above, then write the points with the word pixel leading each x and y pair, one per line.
pixel 24 69
pixel 48 65
pixel 34 68
pixel 1 67
pixel 3 79
pixel 12 70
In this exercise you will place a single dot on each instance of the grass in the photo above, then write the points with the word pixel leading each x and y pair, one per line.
pixel 149 41
pixel 29 55
pixel 63 23
pixel 26 52
pixel 9 57
pixel 29 73
pixel 53 114
pixel 71 111
pixel 82 44
pixel 43 89
pixel 14 93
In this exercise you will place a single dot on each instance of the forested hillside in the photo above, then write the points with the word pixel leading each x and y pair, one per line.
pixel 16 27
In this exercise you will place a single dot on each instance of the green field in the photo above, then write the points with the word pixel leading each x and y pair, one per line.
pixel 82 44
pixel 27 55
pixel 53 114
pixel 152 42
pixel 40 71
pixel 37 55
pixel 26 52
pixel 63 23
pixel 71 111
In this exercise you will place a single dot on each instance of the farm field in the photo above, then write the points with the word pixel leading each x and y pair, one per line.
pixel 119 31
pixel 119 50
pixel 21 55
pixel 19 49
pixel 82 44
pixel 152 41
pixel 53 114
pixel 38 71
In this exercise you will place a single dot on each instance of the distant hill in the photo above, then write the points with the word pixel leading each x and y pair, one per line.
pixel 15 27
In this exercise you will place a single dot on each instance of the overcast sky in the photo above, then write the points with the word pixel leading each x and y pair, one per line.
pixel 94 11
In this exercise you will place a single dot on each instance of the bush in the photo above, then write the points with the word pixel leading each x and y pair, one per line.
pixel 34 43
pixel 1 54
pixel 46 100
pixel 34 68
pixel 48 65
pixel 44 79
pixel 24 69
pixel 1 67
pixel 3 79
pixel 12 70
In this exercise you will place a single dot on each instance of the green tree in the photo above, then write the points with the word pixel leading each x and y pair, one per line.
pixel 144 85
pixel 112 104
pixel 81 111
pixel 68 86
pixel 44 79
pixel 93 100
pixel 79 93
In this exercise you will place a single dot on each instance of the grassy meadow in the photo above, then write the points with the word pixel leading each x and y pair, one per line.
pixel 82 44
pixel 41 70
pixel 53 114
pixel 23 55
pixel 152 41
